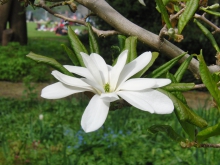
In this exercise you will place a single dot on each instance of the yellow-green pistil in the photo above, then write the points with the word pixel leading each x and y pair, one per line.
pixel 107 88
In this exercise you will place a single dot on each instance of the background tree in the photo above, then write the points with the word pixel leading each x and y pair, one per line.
pixel 13 23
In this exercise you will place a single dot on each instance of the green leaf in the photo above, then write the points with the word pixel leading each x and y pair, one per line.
pixel 208 34
pixel 49 61
pixel 140 73
pixel 208 132
pixel 183 67
pixel 184 113
pixel 77 45
pixel 121 40
pixel 210 12
pixel 115 53
pixel 178 94
pixel 177 8
pixel 187 127
pixel 179 87
pixel 190 9
pixel 164 13
pixel 131 46
pixel 94 46
pixel 212 7
pixel 165 67
pixel 216 77
pixel 208 80
pixel 168 130
pixel 71 55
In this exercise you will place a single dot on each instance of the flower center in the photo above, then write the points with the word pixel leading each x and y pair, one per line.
pixel 107 88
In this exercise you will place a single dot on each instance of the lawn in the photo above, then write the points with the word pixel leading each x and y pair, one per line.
pixel 33 33
pixel 57 138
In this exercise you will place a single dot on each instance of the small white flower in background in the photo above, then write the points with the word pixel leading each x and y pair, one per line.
pixel 108 83
pixel 41 116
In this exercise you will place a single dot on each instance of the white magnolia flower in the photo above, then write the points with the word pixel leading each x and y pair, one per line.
pixel 108 83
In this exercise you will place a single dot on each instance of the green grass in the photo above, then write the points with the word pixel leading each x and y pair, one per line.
pixel 33 33
pixel 59 139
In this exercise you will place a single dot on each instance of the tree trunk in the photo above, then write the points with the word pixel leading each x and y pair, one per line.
pixel 6 36
pixel 4 16
pixel 14 14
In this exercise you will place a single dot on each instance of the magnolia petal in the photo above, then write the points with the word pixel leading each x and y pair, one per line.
pixel 102 66
pixel 117 68
pixel 161 103
pixel 109 97
pixel 92 67
pixel 81 71
pixel 95 114
pixel 109 67
pixel 72 81
pixel 134 67
pixel 135 99
pixel 96 87
pixel 138 84
pixel 160 82
pixel 142 2
pixel 59 90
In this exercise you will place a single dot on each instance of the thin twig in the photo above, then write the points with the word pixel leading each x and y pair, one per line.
pixel 56 5
pixel 189 144
pixel 99 33
pixel 163 32
pixel 175 16
pixel 210 145
pixel 89 15
pixel 106 33
pixel 204 19
pixel 198 86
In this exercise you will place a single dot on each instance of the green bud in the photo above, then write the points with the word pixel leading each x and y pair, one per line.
pixel 107 88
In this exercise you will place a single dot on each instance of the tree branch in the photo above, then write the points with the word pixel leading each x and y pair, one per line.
pixel 124 26
pixel 189 144
pixel 204 19
pixel 100 33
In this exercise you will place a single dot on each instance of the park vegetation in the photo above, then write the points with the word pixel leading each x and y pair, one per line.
pixel 48 132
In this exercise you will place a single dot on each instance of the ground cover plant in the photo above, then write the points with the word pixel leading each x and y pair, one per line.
pixel 57 138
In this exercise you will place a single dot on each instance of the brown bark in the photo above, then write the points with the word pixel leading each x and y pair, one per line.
pixel 14 14
pixel 6 36
pixel 18 23
pixel 4 15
